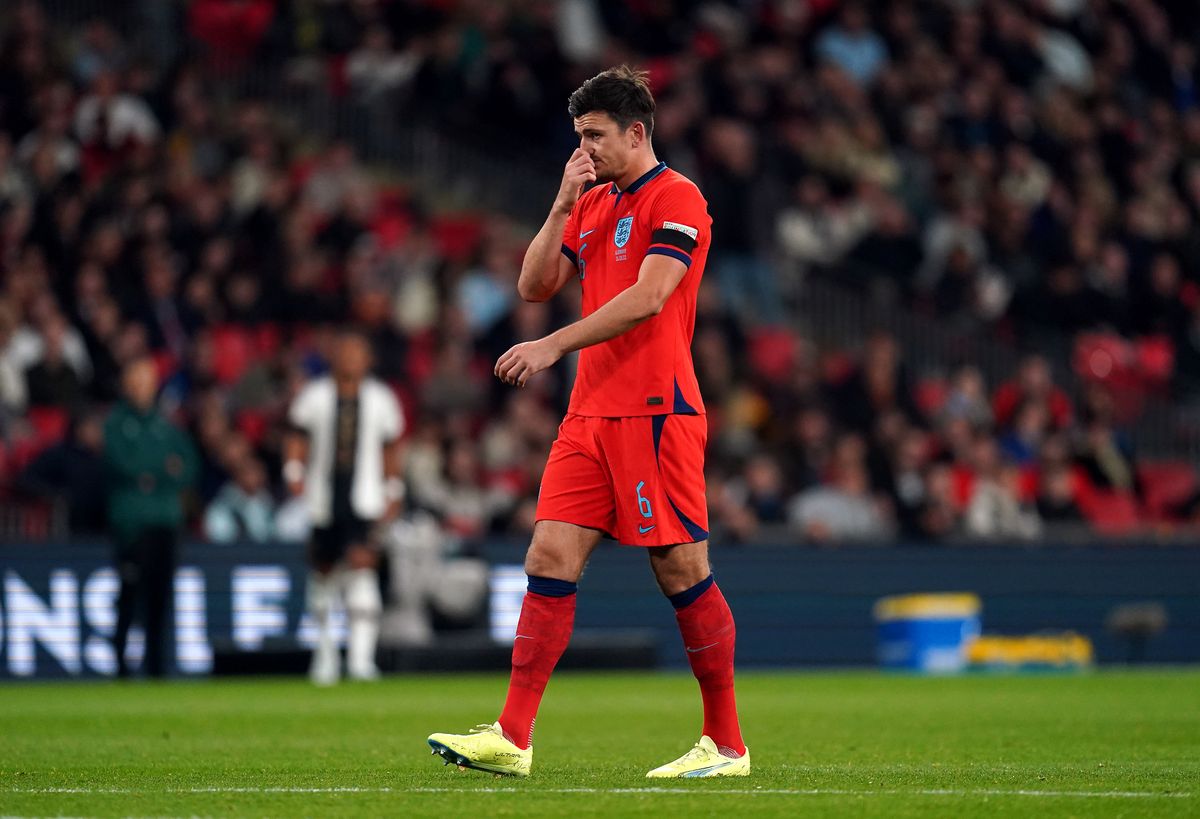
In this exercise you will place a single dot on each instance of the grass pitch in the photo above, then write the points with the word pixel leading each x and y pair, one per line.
pixel 823 744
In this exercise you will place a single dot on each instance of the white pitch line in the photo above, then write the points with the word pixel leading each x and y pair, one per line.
pixel 966 792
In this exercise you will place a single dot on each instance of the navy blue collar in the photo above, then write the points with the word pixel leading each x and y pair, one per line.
pixel 640 182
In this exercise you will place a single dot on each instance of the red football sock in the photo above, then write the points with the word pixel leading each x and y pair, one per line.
pixel 706 624
pixel 542 636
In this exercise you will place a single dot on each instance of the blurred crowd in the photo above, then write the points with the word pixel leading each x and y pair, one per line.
pixel 1013 168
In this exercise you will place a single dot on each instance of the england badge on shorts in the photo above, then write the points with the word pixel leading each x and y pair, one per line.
pixel 624 228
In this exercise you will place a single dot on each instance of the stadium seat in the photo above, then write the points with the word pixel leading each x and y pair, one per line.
pixel 772 353
pixel 1111 512
pixel 253 424
pixel 49 425
pixel 267 340
pixel 837 366
pixel 963 481
pixel 422 355
pixel 458 237
pixel 1155 357
pixel 233 351
pixel 1103 358
pixel 930 395
pixel 1166 485
pixel 165 363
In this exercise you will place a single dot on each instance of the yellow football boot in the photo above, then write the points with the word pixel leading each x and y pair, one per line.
pixel 484 749
pixel 703 760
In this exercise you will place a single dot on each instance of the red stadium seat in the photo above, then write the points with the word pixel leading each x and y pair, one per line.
pixel 165 363
pixel 1166 484
pixel 1155 360
pixel 22 453
pixel 1111 512
pixel 458 237
pixel 267 339
pixel 233 351
pixel 772 353
pixel 930 395
pixel 837 366
pixel 49 425
pixel 253 424
pixel 1104 358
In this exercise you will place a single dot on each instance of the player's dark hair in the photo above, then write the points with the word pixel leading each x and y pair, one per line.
pixel 622 92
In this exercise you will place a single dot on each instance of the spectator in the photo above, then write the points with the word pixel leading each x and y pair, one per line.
pixel 1032 384
pixel 28 344
pixel 906 483
pixel 878 385
pixel 243 510
pixel 1105 453
pixel 731 180
pixel 760 489
pixel 111 124
pixel 375 70
pixel 1022 444
pixel 99 49
pixel 1056 502
pixel 996 509
pixel 852 46
pixel 13 389
pixel 70 472
pixel 939 516
pixel 52 381
pixel 967 399
pixel 841 511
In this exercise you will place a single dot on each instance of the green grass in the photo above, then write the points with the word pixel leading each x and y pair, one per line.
pixel 823 745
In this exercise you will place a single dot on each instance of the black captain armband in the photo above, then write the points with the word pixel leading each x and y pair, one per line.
pixel 674 238
pixel 676 241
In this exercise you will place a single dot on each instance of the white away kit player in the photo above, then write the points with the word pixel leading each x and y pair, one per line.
pixel 344 456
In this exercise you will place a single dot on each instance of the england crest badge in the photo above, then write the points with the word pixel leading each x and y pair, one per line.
pixel 624 228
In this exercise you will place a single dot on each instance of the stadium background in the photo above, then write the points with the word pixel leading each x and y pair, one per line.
pixel 949 337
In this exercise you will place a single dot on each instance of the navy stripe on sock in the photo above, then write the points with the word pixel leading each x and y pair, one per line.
pixel 686 597
pixel 551 587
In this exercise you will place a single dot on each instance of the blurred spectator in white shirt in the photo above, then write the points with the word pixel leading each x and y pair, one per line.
pixel 243 508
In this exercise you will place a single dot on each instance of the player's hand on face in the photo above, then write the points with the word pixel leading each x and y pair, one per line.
pixel 525 360
pixel 580 170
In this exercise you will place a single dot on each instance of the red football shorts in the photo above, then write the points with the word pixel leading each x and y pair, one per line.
pixel 638 479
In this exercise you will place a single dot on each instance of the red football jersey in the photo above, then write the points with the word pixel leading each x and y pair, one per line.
pixel 647 370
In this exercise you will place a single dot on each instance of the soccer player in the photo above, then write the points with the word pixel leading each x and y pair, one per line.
pixel 343 456
pixel 629 458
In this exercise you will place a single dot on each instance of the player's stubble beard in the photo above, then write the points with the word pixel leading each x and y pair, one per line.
pixel 602 172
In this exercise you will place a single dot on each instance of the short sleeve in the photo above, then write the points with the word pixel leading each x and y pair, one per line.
pixel 679 223
pixel 570 237
pixel 391 416
pixel 302 412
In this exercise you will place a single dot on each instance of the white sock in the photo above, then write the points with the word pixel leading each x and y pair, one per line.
pixel 363 607
pixel 322 595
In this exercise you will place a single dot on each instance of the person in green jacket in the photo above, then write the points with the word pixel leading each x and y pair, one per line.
pixel 149 463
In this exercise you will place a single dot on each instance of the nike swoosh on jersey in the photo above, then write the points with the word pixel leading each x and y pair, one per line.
pixel 644 529
pixel 694 650
pixel 587 233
